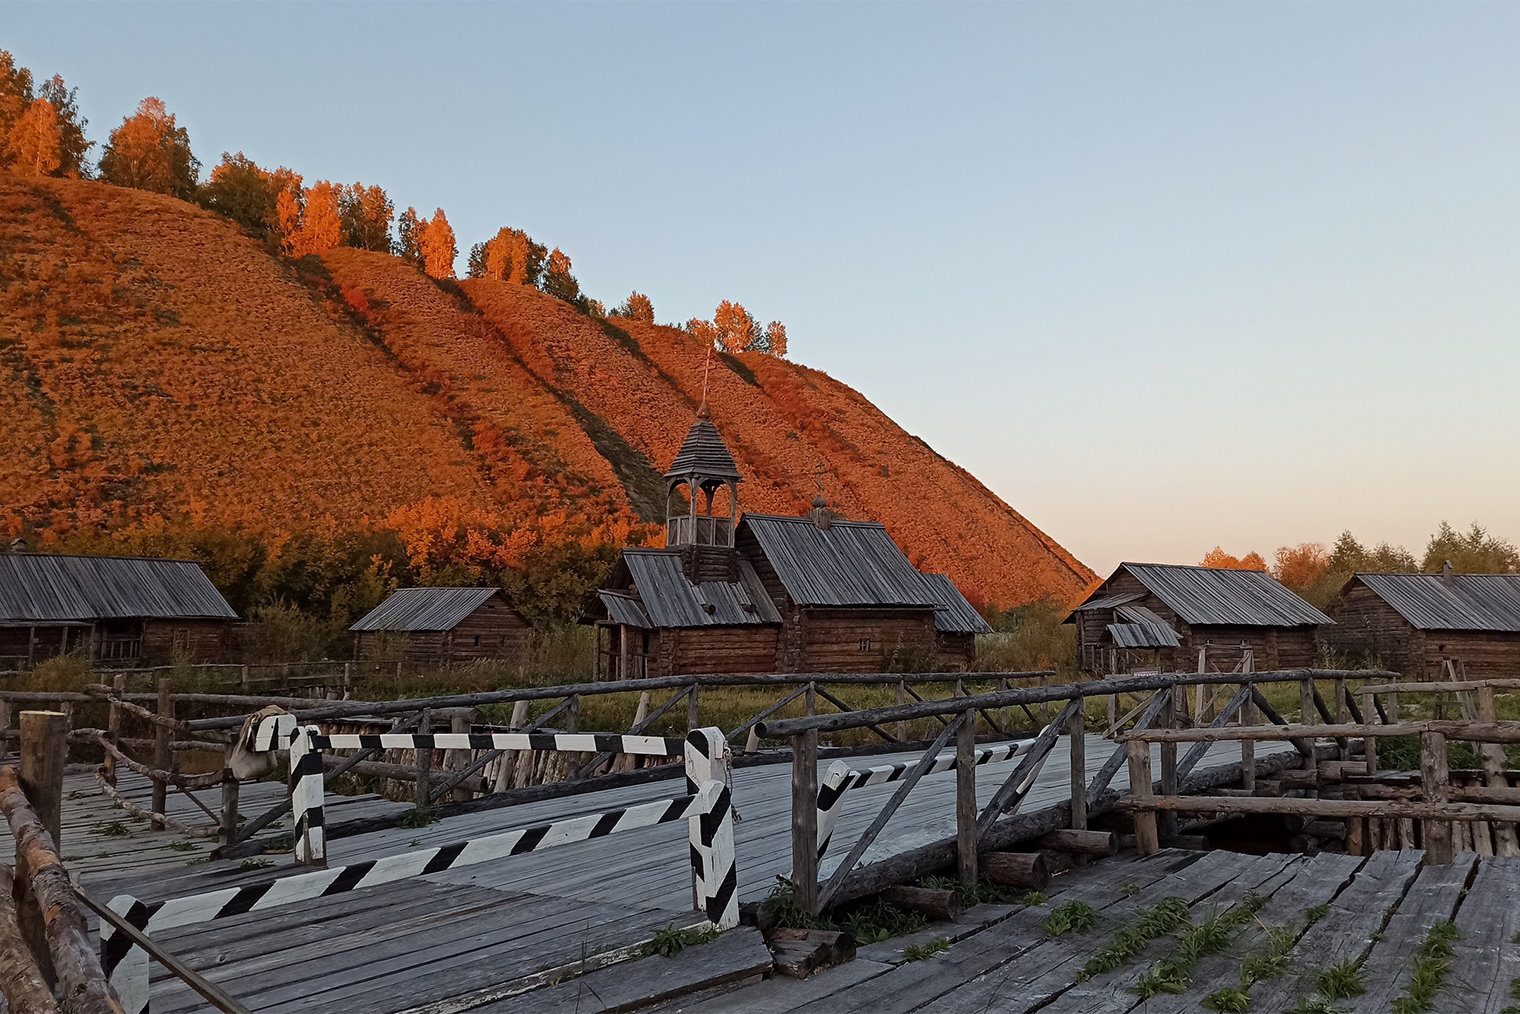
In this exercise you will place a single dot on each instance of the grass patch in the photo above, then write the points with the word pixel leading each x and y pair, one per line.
pixel 413 819
pixel 869 922
pixel 985 892
pixel 112 829
pixel 1129 940
pixel 918 952
pixel 1428 972
pixel 1212 935
pixel 182 846
pixel 256 863
pixel 1074 915
pixel 669 942
pixel 1229 1000
pixel 1340 981
pixel 1317 1005
pixel 1034 898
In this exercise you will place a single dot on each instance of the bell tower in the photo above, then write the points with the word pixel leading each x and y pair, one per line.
pixel 706 470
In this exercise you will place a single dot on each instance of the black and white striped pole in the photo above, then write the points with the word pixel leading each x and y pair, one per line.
pixel 306 797
pixel 709 760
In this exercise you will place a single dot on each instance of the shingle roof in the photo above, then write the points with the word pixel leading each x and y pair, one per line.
pixel 670 600
pixel 625 609
pixel 953 614
pixel 703 453
pixel 1216 596
pixel 1109 601
pixel 417 609
pixel 1469 602
pixel 43 587
pixel 1143 635
pixel 849 563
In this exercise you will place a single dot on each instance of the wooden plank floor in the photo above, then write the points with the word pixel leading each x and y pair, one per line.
pixel 1376 911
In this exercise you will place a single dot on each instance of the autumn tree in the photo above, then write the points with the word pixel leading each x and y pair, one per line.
pixel 636 307
pixel 1299 567
pixel 366 214
pixel 408 245
pixel 558 281
pixel 435 243
pixel 38 140
pixel 509 256
pixel 250 195
pixel 321 225
pixel 732 329
pixel 150 152
pixel 32 145
pixel 1217 557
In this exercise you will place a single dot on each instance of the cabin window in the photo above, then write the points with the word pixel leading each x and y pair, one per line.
pixel 477 640
pixel 865 644
pixel 646 644
pixel 181 639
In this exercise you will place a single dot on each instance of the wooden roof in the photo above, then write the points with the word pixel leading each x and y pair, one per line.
pixel 1457 602
pixel 848 563
pixel 57 588
pixel 425 609
pixel 1217 596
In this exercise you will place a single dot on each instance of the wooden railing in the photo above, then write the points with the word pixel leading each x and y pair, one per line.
pixel 996 825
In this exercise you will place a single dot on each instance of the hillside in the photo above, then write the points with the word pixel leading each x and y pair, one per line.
pixel 156 362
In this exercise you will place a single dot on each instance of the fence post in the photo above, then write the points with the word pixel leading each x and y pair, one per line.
pixel 44 751
pixel 113 728
pixel 1167 819
pixel 1341 712
pixel 163 756
pixel 230 788
pixel 1247 746
pixel 306 790
pixel 805 818
pixel 1147 842
pixel 965 800
pixel 1494 764
pixel 714 877
pixel 1077 730
pixel 424 761
pixel 460 723
pixel 692 706
pixel 1437 783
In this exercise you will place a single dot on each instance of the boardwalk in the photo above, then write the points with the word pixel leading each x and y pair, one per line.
pixel 503 927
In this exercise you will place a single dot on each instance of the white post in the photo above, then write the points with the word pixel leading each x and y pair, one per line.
pixel 124 963
pixel 830 802
pixel 714 878
pixel 306 798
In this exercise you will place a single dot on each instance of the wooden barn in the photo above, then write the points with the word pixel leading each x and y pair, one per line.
pixel 120 610
pixel 766 593
pixel 1417 623
pixel 442 625
pixel 1160 617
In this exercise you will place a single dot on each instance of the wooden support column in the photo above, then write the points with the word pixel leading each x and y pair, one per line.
pixel 902 698
pixel 113 727
pixel 693 707
pixel 623 653
pixel 1369 743
pixel 1167 823
pixel 1147 842
pixel 424 762
pixel 1340 716
pixel 460 722
pixel 230 789
pixel 1076 730
pixel 163 755
pixel 1494 764
pixel 1247 747
pixel 1437 781
pixel 965 800
pixel 805 819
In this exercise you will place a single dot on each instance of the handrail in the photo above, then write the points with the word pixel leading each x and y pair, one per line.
pixel 1042 695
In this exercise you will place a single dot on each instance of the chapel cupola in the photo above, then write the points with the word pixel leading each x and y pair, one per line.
pixel 705 468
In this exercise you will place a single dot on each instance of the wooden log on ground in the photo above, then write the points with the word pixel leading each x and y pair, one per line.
pixel 1016 869
pixel 43 757
pixel 937 905
pixel 1081 843
pixel 80 977
pixel 21 981
pixel 799 953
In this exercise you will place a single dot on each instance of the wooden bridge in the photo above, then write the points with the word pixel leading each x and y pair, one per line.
pixel 565 927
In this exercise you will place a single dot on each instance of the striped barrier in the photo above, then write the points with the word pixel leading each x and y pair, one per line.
pixel 841 778
pixel 709 809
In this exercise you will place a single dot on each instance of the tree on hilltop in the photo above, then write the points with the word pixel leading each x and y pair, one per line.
pixel 150 152
pixel 558 281
pixel 39 140
pixel 408 245
pixel 510 256
pixel 321 225
pixel 250 195
pixel 732 329
pixel 366 213
pixel 636 307
pixel 1217 557
pixel 435 242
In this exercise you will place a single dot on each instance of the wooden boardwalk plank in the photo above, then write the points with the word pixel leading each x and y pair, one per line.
pixel 778 994
pixel 1486 960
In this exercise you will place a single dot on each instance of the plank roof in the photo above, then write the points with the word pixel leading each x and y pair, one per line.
pixel 671 600
pixel 1216 596
pixel 425 609
pixel 848 563
pixel 624 609
pixel 953 614
pixel 703 453
pixel 1143 634
pixel 53 587
pixel 1458 602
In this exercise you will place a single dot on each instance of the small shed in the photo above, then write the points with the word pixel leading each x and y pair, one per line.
pixel 442 625
pixel 1416 623
pixel 1150 616
pixel 956 624
pixel 117 609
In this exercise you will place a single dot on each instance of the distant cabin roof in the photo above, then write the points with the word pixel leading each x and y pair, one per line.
pixel 1468 602
pixel 51 587
pixel 669 600
pixel 703 453
pixel 849 563
pixel 1215 596
pixel 1144 634
pixel 425 609
pixel 953 614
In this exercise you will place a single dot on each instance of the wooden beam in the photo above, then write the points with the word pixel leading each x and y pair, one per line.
pixel 1476 732
pixel 805 819
pixel 1436 781
pixel 965 800
pixel 1146 838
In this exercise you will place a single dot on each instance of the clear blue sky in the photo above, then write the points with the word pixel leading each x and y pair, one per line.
pixel 1162 276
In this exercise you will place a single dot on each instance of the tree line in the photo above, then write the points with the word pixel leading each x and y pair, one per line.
pixel 1318 572
pixel 42 134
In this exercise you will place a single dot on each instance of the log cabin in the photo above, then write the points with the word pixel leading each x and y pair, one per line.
pixel 768 593
pixel 442 625
pixel 114 609
pixel 1151 617
pixel 1418 623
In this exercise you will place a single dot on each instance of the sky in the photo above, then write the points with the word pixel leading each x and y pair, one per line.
pixel 1162 276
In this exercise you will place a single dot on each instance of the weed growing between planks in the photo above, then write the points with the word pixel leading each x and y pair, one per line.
pixel 1074 915
pixel 1172 975
pixel 1129 940
pixel 869 922
pixel 669 942
pixel 1428 972
pixel 918 952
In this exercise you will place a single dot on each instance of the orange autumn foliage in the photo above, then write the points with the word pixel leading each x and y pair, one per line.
pixel 1217 557
pixel 436 244
pixel 1299 567
pixel 33 144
